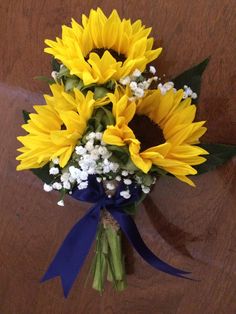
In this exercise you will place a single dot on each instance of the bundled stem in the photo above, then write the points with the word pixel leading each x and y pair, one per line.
pixel 108 260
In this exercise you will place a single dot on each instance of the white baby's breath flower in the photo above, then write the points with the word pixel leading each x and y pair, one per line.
pixel 194 96
pixel 152 69
pixel 83 175
pixel 125 194
pixel 127 181
pixel 99 135
pixel 55 161
pixel 136 73
pixel 57 186
pixel 89 145
pixel 61 203
pixel 91 136
pixel 114 166
pixel 125 80
pixel 80 150
pixel 54 170
pixel 66 185
pixel 74 172
pixel 139 92
pixel 124 173
pixel 54 75
pixel 110 186
pixel 83 185
pixel 118 178
pixel 145 189
pixel 133 86
pixel 65 176
pixel 47 187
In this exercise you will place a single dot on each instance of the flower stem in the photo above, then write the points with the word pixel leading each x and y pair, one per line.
pixel 108 259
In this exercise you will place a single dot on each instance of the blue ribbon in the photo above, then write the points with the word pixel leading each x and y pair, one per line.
pixel 74 249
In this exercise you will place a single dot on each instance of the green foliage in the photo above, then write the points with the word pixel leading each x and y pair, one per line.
pixel 55 65
pixel 46 79
pixel 218 155
pixel 43 174
pixel 192 78
pixel 120 154
pixel 26 116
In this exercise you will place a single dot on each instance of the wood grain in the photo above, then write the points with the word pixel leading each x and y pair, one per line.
pixel 201 221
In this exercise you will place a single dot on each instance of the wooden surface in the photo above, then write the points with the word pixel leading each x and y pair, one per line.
pixel 190 228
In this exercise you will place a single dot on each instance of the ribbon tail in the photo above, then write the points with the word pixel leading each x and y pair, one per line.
pixel 73 251
pixel 130 229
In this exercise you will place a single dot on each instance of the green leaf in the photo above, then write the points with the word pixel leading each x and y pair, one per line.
pixel 71 83
pixel 111 85
pixel 55 65
pixel 46 79
pixel 119 153
pixel 218 155
pixel 26 116
pixel 43 174
pixel 90 86
pixel 157 170
pixel 63 72
pixel 133 208
pixel 192 78
pixel 100 92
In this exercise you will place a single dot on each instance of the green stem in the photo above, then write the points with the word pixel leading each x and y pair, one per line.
pixel 108 261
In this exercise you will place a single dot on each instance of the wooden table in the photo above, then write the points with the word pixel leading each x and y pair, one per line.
pixel 190 228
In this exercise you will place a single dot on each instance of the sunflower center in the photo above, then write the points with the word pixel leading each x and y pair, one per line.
pixel 115 54
pixel 146 131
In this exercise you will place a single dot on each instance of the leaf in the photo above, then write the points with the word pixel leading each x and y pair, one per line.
pixel 133 208
pixel 45 79
pixel 218 155
pixel 43 174
pixel 192 78
pixel 63 71
pixel 71 83
pixel 157 170
pixel 55 65
pixel 26 116
pixel 100 92
pixel 120 153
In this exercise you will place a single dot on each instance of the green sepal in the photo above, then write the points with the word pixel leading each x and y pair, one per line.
pixel 218 155
pixel 192 78
pixel 46 79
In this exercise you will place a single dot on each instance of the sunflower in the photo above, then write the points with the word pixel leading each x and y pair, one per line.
pixel 166 119
pixel 103 48
pixel 55 128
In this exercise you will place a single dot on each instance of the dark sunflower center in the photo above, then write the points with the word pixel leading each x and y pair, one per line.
pixel 146 131
pixel 115 54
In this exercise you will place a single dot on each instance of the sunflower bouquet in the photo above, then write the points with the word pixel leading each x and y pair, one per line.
pixel 110 128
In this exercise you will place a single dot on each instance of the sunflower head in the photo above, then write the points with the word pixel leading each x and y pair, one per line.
pixel 103 48
pixel 169 118
pixel 55 128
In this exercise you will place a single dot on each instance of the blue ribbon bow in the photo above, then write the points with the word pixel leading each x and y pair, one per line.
pixel 74 249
